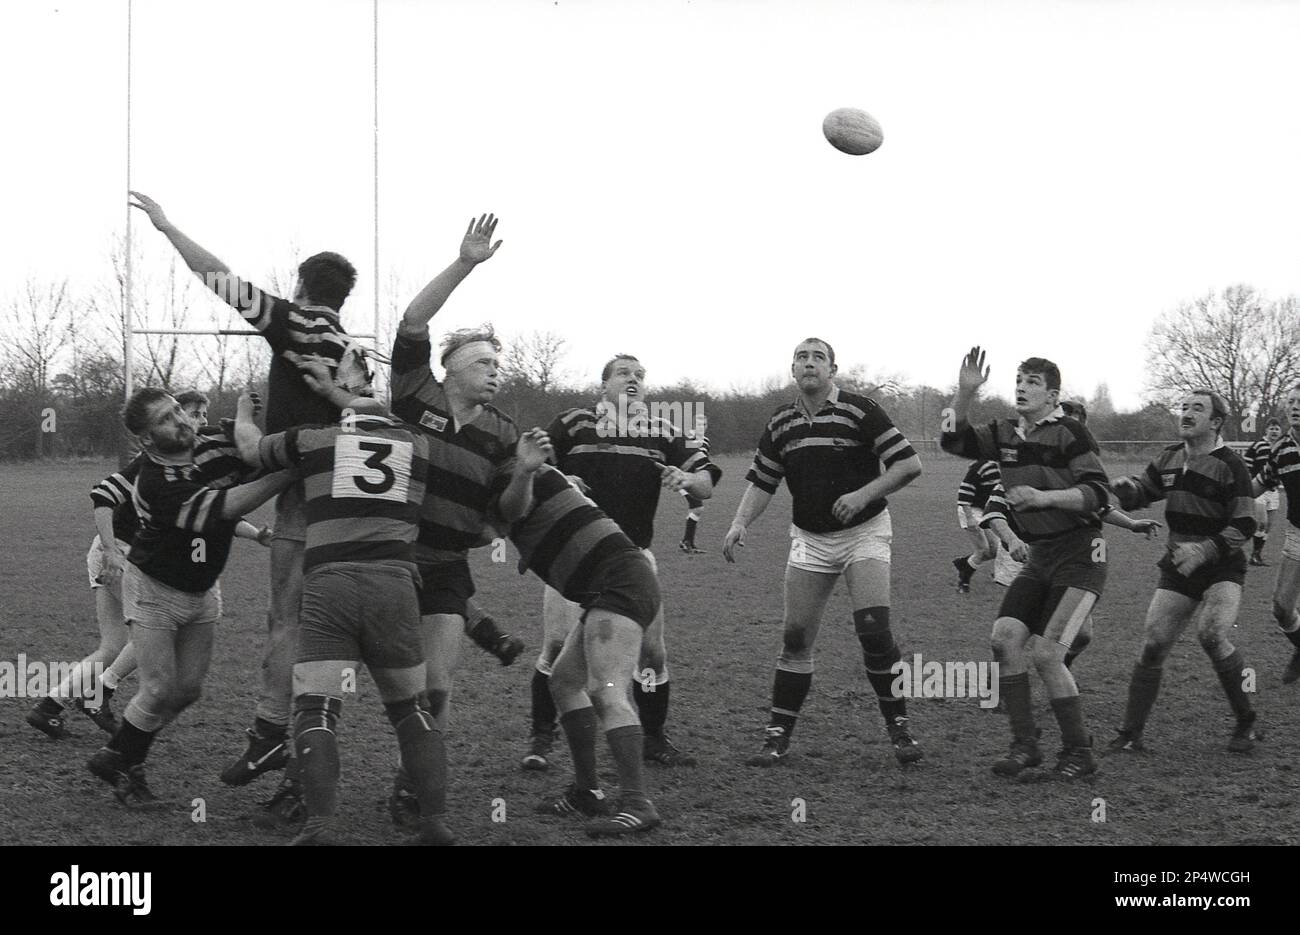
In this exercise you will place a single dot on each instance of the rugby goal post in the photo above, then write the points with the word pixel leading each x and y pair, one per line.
pixel 129 331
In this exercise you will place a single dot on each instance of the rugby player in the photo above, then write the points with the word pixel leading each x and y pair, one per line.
pixel 1258 456
pixel 309 324
pixel 188 498
pixel 1285 466
pixel 1056 484
pixel 979 482
pixel 116 524
pixel 698 438
pixel 1210 511
pixel 830 447
pixel 364 482
pixel 588 559
pixel 623 458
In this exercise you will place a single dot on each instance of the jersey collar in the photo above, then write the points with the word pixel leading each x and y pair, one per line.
pixel 832 397
pixel 1057 413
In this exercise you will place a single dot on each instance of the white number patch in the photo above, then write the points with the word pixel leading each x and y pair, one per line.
pixel 368 466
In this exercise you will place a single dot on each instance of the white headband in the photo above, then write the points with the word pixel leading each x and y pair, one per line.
pixel 466 354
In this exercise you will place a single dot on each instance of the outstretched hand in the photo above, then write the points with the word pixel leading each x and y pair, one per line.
pixel 150 208
pixel 1147 527
pixel 477 245
pixel 534 450
pixel 973 373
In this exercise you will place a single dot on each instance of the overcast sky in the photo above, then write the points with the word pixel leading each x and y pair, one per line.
pixel 1054 174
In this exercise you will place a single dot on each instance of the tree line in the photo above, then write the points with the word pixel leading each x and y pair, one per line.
pixel 62 383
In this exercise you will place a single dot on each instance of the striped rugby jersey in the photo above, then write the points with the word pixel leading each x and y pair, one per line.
pixel 1258 458
pixel 180 504
pixel 1286 462
pixel 1057 453
pixel 982 478
pixel 363 482
pixel 467 465
pixel 623 470
pixel 565 537
pixel 303 329
pixel 837 451
pixel 1208 496
pixel 116 493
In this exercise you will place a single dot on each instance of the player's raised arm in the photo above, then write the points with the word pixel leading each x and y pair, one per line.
pixel 263 311
pixel 476 247
pixel 246 434
pixel 959 437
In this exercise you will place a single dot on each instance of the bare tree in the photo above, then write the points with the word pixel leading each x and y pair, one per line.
pixel 533 360
pixel 1233 342
pixel 37 321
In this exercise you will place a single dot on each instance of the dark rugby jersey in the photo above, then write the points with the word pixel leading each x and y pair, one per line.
pixel 1259 462
pixel 363 483
pixel 181 504
pixel 466 468
pixel 565 537
pixel 1057 453
pixel 115 492
pixel 623 471
pixel 1209 496
pixel 841 449
pixel 981 480
pixel 303 329
pixel 1286 463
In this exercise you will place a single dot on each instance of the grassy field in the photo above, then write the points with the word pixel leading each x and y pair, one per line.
pixel 724 629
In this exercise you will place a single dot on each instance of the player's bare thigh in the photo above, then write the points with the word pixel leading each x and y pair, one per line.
pixel 441 637
pixel 1286 588
pixel 1167 615
pixel 806 594
pixel 868 582
pixel 1218 617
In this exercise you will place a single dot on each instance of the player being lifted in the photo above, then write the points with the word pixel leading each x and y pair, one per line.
pixel 622 468
pixel 308 324
pixel 188 498
pixel 1286 589
pixel 1210 512
pixel 1056 485
pixel 1258 457
pixel 830 447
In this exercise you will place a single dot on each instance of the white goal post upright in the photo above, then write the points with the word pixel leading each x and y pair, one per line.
pixel 129 331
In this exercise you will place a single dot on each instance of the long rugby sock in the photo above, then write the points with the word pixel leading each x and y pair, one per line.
pixel 691 523
pixel 1069 715
pixel 879 653
pixel 50 705
pixel 1143 688
pixel 1230 676
pixel 318 751
pixel 132 742
pixel 580 730
pixel 789 689
pixel 424 754
pixel 1014 692
pixel 484 631
pixel 652 707
pixel 1259 544
pixel 543 705
pixel 626 744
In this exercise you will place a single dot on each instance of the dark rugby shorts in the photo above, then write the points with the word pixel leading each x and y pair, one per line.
pixel 624 584
pixel 361 610
pixel 1199 581
pixel 1064 561
pixel 445 587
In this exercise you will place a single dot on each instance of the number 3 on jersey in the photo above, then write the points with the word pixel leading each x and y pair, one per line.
pixel 371 468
